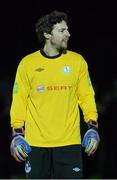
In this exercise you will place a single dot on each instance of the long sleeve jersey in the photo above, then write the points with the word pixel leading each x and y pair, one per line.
pixel 47 94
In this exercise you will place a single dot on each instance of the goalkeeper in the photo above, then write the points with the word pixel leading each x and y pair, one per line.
pixel 50 86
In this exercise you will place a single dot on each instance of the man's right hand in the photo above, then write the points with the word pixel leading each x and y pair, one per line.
pixel 19 148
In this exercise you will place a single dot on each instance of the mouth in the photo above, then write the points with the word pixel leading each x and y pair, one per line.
pixel 65 40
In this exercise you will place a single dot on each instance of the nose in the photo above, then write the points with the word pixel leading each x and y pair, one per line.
pixel 68 34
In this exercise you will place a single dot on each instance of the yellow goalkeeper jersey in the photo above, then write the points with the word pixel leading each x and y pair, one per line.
pixel 47 94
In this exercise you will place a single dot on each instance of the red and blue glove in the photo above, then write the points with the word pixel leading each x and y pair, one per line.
pixel 91 138
pixel 19 147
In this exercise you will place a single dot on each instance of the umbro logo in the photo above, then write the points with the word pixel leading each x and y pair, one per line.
pixel 76 169
pixel 39 69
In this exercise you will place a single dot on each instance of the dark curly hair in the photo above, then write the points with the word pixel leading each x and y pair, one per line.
pixel 46 22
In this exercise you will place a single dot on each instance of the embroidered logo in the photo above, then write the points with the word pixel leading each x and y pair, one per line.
pixel 76 169
pixel 66 69
pixel 27 167
pixel 39 69
pixel 15 88
pixel 89 80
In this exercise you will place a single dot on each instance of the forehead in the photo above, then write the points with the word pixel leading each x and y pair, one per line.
pixel 60 25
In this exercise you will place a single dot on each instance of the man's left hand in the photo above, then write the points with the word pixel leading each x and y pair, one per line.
pixel 91 141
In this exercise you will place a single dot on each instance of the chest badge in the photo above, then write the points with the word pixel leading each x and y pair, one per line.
pixel 66 69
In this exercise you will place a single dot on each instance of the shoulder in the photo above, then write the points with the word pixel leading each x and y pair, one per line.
pixel 76 56
pixel 29 58
pixel 27 61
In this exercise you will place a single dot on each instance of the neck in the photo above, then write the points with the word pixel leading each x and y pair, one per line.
pixel 50 51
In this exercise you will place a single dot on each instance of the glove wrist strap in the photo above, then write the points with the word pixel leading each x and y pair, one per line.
pixel 17 132
pixel 93 125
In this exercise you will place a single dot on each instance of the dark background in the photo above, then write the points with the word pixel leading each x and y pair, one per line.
pixel 93 31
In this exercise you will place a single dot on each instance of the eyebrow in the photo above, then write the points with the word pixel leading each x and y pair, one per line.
pixel 62 28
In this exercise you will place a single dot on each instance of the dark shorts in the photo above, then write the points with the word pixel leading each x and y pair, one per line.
pixel 57 163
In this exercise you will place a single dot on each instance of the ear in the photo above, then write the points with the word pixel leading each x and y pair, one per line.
pixel 47 35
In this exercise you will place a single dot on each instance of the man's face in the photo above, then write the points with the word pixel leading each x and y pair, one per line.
pixel 60 36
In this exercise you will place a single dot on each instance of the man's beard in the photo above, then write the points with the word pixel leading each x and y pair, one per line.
pixel 62 49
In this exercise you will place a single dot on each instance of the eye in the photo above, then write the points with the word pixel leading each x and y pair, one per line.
pixel 62 30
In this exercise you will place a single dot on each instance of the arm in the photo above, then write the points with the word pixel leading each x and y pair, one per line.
pixel 86 98
pixel 86 94
pixel 19 147
pixel 19 98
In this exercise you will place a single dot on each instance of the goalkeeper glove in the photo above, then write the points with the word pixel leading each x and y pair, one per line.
pixel 19 147
pixel 91 138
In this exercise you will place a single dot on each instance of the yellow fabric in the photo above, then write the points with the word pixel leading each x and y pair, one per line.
pixel 46 97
